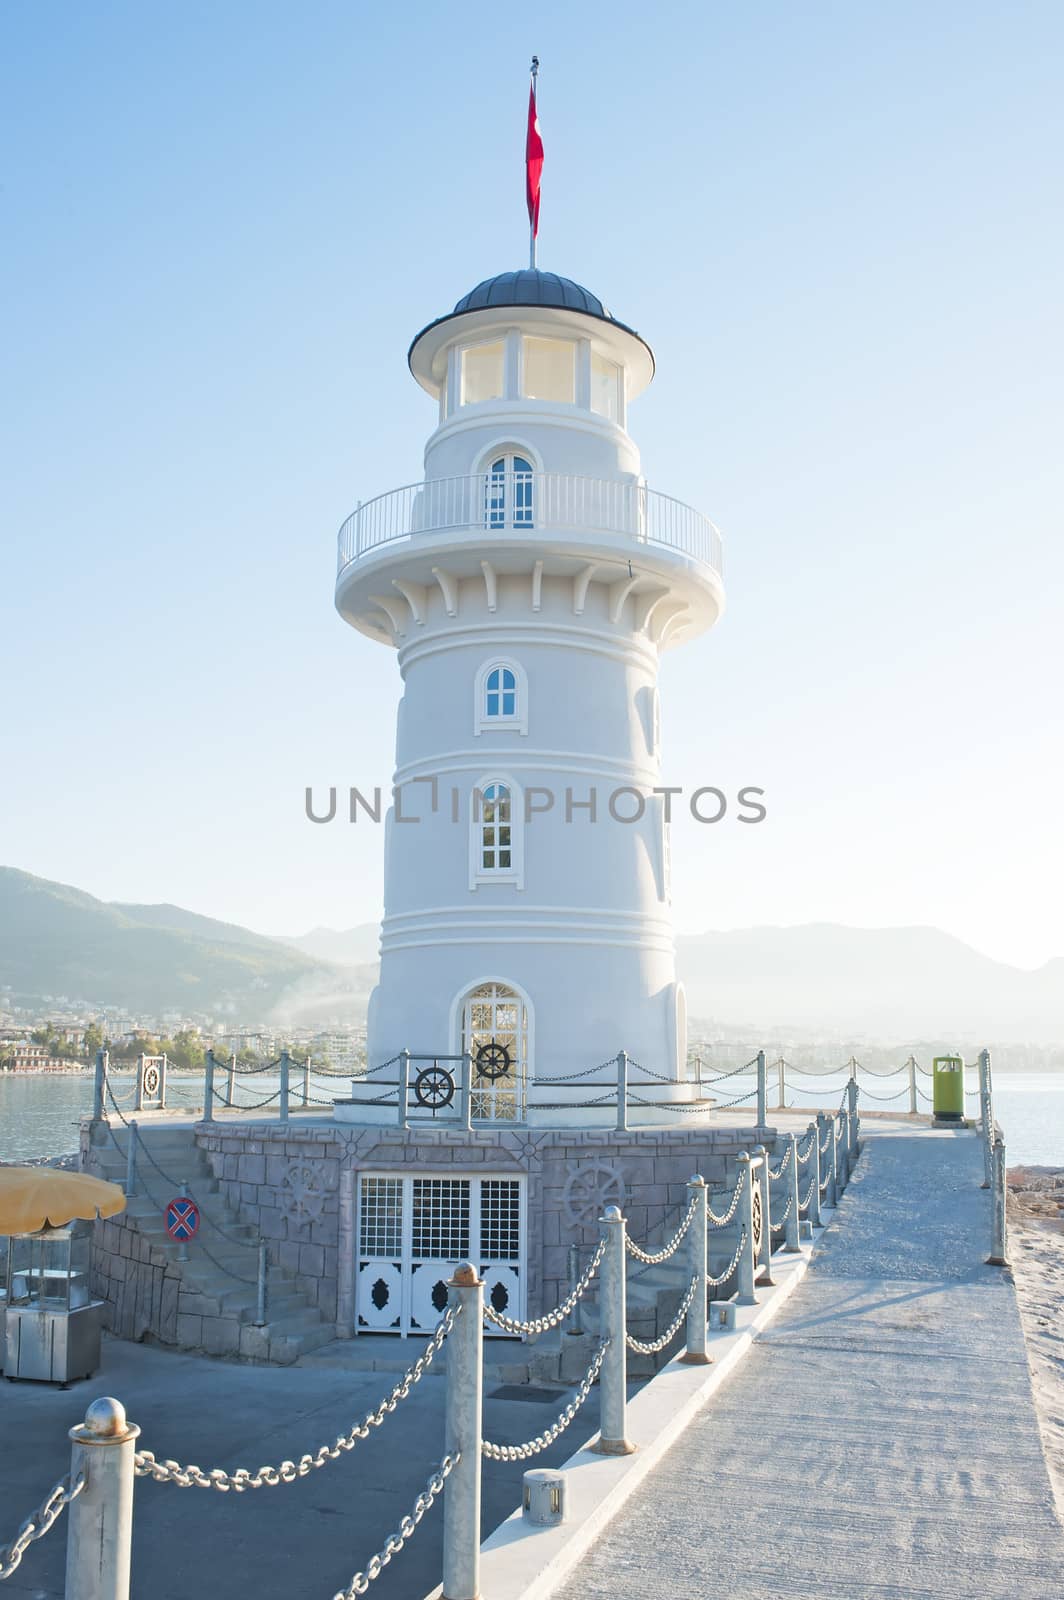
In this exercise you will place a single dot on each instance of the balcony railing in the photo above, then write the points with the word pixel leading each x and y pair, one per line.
pixel 530 503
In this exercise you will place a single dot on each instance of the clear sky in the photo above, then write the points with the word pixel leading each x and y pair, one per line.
pixel 838 225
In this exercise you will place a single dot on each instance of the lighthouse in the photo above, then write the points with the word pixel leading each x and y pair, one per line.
pixel 529 585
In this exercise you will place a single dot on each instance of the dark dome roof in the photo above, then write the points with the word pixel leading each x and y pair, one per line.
pixel 532 288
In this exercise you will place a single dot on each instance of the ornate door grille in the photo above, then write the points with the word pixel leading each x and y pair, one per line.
pixel 412 1233
pixel 495 1033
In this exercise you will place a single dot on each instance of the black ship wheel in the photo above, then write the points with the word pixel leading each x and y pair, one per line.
pixel 493 1060
pixel 434 1087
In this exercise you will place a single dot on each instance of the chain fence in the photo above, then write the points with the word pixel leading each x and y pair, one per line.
pixel 360 1581
pixel 41 1522
pixel 653 1346
pixel 543 1441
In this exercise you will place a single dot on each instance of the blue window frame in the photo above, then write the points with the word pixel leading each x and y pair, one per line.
pixel 500 693
pixel 510 493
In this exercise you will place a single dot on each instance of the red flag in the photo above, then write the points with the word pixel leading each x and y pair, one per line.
pixel 533 161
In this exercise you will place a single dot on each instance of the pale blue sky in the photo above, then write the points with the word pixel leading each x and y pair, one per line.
pixel 839 227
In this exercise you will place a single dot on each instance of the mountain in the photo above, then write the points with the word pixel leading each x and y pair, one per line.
pixel 56 940
pixel 350 947
pixel 901 981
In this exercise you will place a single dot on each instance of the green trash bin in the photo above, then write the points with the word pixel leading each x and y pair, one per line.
pixel 947 1087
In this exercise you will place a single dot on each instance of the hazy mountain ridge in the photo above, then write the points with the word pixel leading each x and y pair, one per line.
pixel 58 940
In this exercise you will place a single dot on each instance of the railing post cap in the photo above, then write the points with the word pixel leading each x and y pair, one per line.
pixel 612 1214
pixel 696 1178
pixel 465 1276
pixel 759 1150
pixel 105 1423
pixel 744 1155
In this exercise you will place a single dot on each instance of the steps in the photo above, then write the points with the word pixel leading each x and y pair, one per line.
pixel 208 1302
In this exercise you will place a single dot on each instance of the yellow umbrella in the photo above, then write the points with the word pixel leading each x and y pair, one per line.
pixel 32 1198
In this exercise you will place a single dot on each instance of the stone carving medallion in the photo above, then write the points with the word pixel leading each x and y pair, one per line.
pixel 301 1197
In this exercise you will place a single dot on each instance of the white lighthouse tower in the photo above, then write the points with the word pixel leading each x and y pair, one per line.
pixel 529 585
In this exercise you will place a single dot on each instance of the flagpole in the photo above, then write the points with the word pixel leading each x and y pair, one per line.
pixel 531 224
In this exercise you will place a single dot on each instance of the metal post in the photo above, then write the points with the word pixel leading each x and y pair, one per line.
pixel 762 1090
pixel 824 1123
pixel 467 1091
pixel 208 1087
pixel 613 1376
pixel 745 1281
pixel 162 1081
pixel 465 1388
pixel 404 1084
pixel 138 1104
pixel 814 1169
pixel 261 1286
pixel 764 1255
pixel 998 1256
pixel 131 1160
pixel 100 1520
pixel 790 1237
pixel 696 1353
pixel 853 1125
pixel 230 1081
pixel 306 1083
pixel 986 1116
pixel 839 1146
pixel 283 1100
pixel 182 1247
pixel 781 1070
pixel 914 1104
pixel 622 1092
pixel 576 1315
pixel 102 1063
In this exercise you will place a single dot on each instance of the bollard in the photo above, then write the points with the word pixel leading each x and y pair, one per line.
pixel 306 1083
pixel 853 1127
pixel 576 1318
pixel 404 1085
pixel 208 1087
pixel 781 1085
pixel 696 1354
pixel 998 1256
pixel 463 1434
pixel 914 1105
pixel 164 1068
pixel 131 1160
pixel 762 1090
pixel 826 1124
pixel 791 1236
pixel 613 1375
pixel 100 1526
pixel 622 1091
pixel 261 1286
pixel 764 1255
pixel 138 1104
pixel 814 1169
pixel 102 1064
pixel 745 1280
pixel 282 1102
pixel 838 1138
pixel 986 1116
pixel 230 1081
pixel 543 1497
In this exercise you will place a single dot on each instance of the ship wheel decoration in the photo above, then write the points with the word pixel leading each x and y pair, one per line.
pixel 756 1219
pixel 590 1187
pixel 434 1087
pixel 151 1081
pixel 493 1060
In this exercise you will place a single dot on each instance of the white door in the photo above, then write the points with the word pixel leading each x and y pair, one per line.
pixel 412 1233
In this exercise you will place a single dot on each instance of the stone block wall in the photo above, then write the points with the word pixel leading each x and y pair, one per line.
pixel 297 1183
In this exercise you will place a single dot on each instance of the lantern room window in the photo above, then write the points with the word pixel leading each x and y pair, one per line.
pixel 605 388
pixel 482 372
pixel 550 370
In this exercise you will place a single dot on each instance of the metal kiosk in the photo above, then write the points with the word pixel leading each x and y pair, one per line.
pixel 52 1323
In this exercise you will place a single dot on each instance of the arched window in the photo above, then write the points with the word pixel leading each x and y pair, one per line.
pixel 494 1034
pixel 495 840
pixel 509 498
pixel 501 697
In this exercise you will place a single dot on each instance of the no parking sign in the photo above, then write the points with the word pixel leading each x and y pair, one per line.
pixel 182 1219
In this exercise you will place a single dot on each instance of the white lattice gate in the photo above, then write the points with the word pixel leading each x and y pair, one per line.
pixel 413 1231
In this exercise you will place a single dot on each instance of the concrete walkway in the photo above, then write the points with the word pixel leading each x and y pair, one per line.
pixel 879 1440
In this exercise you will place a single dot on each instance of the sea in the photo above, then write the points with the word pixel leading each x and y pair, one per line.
pixel 39 1115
